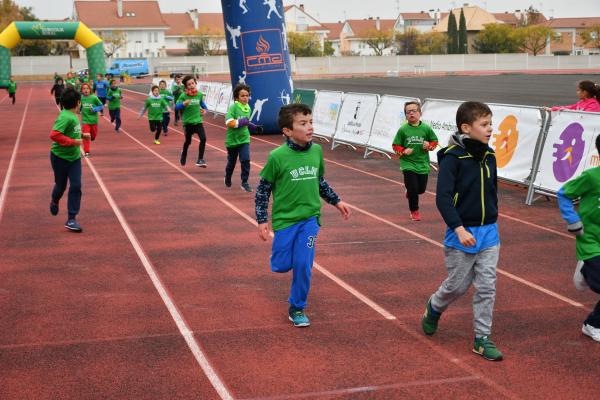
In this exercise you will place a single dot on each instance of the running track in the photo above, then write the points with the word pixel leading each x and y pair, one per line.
pixel 167 293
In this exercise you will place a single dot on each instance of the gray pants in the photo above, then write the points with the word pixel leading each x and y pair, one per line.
pixel 464 269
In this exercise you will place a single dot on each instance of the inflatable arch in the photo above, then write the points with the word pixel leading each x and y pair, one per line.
pixel 77 31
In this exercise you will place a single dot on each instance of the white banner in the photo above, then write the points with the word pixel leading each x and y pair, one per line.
pixel 326 111
pixel 223 101
pixel 213 95
pixel 441 116
pixel 388 119
pixel 569 148
pixel 356 118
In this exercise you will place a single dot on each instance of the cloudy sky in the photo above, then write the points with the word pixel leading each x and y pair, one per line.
pixel 334 10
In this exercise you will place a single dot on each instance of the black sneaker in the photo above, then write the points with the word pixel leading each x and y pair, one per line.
pixel 53 208
pixel 228 181
pixel 246 187
pixel 73 225
pixel 201 163
pixel 182 158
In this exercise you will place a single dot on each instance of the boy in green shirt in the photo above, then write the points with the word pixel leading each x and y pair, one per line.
pixel 585 225
pixel 177 89
pixel 65 157
pixel 156 106
pixel 294 173
pixel 413 142
pixel 12 90
pixel 90 106
pixel 168 96
pixel 114 96
pixel 192 106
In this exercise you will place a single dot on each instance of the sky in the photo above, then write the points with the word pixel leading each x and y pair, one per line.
pixel 338 10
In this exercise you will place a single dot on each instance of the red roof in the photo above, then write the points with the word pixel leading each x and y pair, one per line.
pixel 362 27
pixel 176 52
pixel 103 14
pixel 335 28
pixel 507 18
pixel 585 22
pixel 179 24
pixel 419 15
pixel 211 23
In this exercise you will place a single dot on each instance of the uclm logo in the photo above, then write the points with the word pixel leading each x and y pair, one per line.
pixel 264 58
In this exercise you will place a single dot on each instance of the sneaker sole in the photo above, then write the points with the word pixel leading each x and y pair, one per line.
pixel 487 358
pixel 201 166
pixel 590 335
pixel 302 325
pixel 74 229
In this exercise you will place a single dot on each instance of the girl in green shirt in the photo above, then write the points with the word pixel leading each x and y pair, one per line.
pixel 156 106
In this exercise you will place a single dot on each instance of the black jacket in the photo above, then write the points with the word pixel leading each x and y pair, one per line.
pixel 467 187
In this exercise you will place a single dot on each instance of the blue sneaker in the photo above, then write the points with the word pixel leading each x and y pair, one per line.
pixel 73 225
pixel 53 208
pixel 298 318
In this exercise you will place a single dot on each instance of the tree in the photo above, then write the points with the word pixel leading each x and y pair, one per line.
pixel 431 43
pixel 533 38
pixel 200 43
pixel 496 38
pixel 113 41
pixel 378 40
pixel 9 12
pixel 328 49
pixel 406 43
pixel 304 44
pixel 531 16
pixel 452 34
pixel 591 36
pixel 462 34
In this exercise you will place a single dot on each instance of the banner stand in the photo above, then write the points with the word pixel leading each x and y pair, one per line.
pixel 537 157
pixel 370 150
pixel 339 138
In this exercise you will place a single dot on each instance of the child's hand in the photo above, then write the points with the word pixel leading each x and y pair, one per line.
pixel 407 151
pixel 186 103
pixel 202 111
pixel 263 231
pixel 425 144
pixel 464 236
pixel 86 136
pixel 344 210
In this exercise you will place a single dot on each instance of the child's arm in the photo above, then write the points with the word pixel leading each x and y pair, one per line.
pixel 432 141
pixel 572 190
pixel 398 145
pixel 331 197
pixel 142 111
pixel 64 140
pixel 261 199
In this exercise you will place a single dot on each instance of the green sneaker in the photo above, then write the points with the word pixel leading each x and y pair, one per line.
pixel 430 319
pixel 298 318
pixel 486 348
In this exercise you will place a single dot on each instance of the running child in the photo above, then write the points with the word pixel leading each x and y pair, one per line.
pixel 12 89
pixel 237 139
pixel 65 158
pixel 177 89
pixel 90 107
pixel 101 89
pixel 413 142
pixel 114 96
pixel 156 106
pixel 585 224
pixel 467 198
pixel 168 96
pixel 192 103
pixel 57 90
pixel 295 174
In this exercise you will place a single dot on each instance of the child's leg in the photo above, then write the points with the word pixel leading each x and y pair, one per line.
pixel 117 118
pixel 303 257
pixel 111 113
pixel 202 145
pixel 485 290
pixel 158 126
pixel 74 199
pixel 189 131
pixel 591 273
pixel 85 128
pixel 60 168
pixel 94 131
pixel 411 181
pixel 422 182
pixel 460 276
pixel 245 161
pixel 14 97
pixel 232 155
pixel 165 121
pixel 281 249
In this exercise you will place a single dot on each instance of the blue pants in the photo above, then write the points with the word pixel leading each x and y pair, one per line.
pixel 591 273
pixel 67 170
pixel 243 152
pixel 115 116
pixel 165 121
pixel 294 248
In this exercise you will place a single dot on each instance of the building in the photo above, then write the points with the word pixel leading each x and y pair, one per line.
pixel 567 39
pixel 138 22
pixel 421 21
pixel 476 19
pixel 355 33
pixel 299 21
pixel 334 29
pixel 184 25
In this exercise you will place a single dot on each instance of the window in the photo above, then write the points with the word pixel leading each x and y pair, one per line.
pixel 149 37
pixel 155 37
pixel 129 56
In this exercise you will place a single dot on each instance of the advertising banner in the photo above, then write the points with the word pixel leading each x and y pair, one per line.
pixel 356 118
pixel 325 113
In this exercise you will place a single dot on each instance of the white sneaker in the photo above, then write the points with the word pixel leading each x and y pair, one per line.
pixel 578 279
pixel 590 331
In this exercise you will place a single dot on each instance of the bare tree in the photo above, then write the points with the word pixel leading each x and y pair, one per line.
pixel 591 36
pixel 378 40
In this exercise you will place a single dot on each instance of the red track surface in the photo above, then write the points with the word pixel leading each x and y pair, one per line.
pixel 82 319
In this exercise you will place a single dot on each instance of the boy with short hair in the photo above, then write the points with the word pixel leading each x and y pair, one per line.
pixel 156 106
pixel 413 142
pixel 114 96
pixel 467 198
pixel 65 157
pixel 101 89
pixel 177 89
pixel 295 174
pixel 585 225
pixel 12 89
pixel 90 106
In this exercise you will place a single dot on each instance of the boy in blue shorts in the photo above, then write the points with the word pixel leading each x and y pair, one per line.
pixel 467 198
pixel 294 173
pixel 585 225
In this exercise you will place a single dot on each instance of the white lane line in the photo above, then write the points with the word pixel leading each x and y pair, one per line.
pixel 425 238
pixel 4 98
pixel 11 163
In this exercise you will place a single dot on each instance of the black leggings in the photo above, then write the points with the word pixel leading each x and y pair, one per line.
pixel 415 185
pixel 156 126
pixel 198 129
pixel 591 273
pixel 13 96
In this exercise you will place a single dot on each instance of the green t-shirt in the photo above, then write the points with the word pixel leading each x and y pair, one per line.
pixel 12 87
pixel 587 186
pixel 67 123
pixel 156 107
pixel 72 82
pixel 164 93
pixel 295 179
pixel 412 137
pixel 177 90
pixel 115 101
pixel 191 113
pixel 237 136
pixel 87 103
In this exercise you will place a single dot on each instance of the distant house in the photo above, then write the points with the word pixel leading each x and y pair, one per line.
pixel 184 25
pixel 299 21
pixel 567 40
pixel 421 21
pixel 475 17
pixel 508 18
pixel 334 29
pixel 355 33
pixel 140 22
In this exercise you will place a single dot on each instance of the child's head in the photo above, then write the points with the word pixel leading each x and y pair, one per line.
pixel 295 121
pixel 60 81
pixel 99 77
pixel 241 93
pixel 474 119
pixel 70 98
pixel 189 82
pixel 162 84
pixel 178 78
pixel 412 111
pixel 588 89
pixel 85 89
pixel 114 83
pixel 155 90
